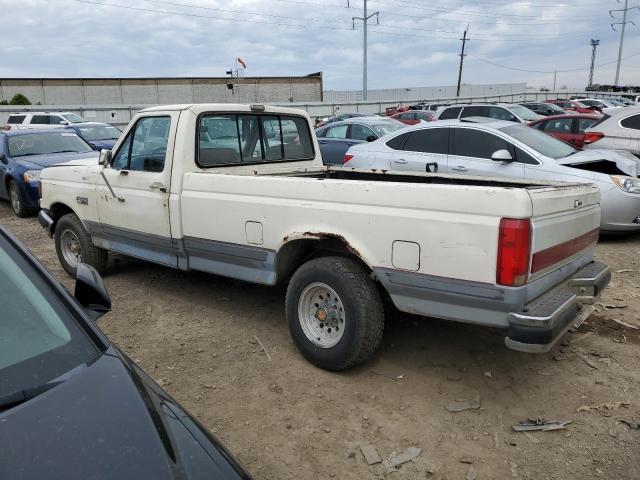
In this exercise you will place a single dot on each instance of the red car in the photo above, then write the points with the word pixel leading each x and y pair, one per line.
pixel 568 128
pixel 413 117
pixel 573 106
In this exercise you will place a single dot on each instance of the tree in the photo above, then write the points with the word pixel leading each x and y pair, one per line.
pixel 4 102
pixel 19 99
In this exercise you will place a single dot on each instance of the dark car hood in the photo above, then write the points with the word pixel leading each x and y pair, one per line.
pixel 53 158
pixel 107 422
pixel 100 144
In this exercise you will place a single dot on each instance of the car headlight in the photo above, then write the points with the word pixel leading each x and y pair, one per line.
pixel 627 184
pixel 31 176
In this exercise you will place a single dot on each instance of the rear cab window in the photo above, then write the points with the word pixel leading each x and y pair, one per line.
pixel 240 139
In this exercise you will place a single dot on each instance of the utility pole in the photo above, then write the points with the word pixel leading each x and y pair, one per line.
pixel 594 46
pixel 624 24
pixel 365 20
pixel 555 76
pixel 462 55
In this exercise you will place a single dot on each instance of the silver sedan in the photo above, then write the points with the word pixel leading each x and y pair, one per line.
pixel 483 147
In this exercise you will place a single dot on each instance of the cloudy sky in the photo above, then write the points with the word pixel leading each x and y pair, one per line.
pixel 415 44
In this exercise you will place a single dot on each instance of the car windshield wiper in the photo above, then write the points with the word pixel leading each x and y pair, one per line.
pixel 16 398
pixel 65 151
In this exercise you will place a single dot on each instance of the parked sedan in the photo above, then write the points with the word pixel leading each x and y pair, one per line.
pixel 98 135
pixel 568 128
pixel 545 109
pixel 413 117
pixel 336 138
pixel 24 153
pixel 504 149
pixel 339 118
pixel 619 129
pixel 573 106
pixel 74 406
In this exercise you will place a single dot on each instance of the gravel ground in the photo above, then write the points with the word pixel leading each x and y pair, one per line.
pixel 198 336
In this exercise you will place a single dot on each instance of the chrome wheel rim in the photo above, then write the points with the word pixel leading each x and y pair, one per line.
pixel 321 315
pixel 15 198
pixel 70 247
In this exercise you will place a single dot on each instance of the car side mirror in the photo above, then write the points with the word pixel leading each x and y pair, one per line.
pixel 105 157
pixel 62 122
pixel 371 138
pixel 3 158
pixel 502 156
pixel 90 291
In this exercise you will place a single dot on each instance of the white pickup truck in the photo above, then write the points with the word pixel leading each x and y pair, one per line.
pixel 240 191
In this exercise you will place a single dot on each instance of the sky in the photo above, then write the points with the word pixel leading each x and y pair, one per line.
pixel 415 44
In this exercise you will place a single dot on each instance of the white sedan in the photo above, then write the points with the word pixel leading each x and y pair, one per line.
pixel 484 147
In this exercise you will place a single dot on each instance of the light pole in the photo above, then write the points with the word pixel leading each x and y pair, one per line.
pixel 365 20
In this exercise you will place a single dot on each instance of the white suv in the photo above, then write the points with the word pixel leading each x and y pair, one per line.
pixel 497 111
pixel 42 120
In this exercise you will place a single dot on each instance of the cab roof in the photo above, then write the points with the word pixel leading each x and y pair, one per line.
pixel 198 108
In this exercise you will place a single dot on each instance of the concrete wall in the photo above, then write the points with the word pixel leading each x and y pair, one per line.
pixel 404 94
pixel 146 91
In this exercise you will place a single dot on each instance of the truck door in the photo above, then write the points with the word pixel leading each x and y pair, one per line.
pixel 133 192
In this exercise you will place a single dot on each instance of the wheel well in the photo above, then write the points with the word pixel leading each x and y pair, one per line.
pixel 296 252
pixel 59 210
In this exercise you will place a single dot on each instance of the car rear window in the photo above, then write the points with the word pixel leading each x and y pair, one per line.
pixel 15 119
pixel 227 139
pixel 450 113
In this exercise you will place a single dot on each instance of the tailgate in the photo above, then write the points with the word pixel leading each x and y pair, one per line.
pixel 566 221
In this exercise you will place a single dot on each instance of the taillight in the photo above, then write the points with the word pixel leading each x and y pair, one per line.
pixel 7 127
pixel 346 158
pixel 514 250
pixel 592 137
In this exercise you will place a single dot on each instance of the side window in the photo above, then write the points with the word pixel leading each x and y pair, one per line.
pixel 478 111
pixel 469 142
pixel 429 140
pixel 584 123
pixel 398 142
pixel 559 125
pixel 15 119
pixel 339 131
pixel 321 133
pixel 145 148
pixel 632 122
pixel 361 132
pixel 40 120
pixel 450 113
pixel 524 157
pixel 501 114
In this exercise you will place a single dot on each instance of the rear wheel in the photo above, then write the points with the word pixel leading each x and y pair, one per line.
pixel 17 202
pixel 73 245
pixel 335 313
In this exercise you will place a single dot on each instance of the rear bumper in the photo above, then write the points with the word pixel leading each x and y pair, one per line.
pixel 547 318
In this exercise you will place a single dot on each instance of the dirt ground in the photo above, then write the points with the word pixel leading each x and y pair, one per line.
pixel 198 336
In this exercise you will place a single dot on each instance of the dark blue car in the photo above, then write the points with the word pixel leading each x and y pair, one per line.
pixel 98 135
pixel 24 153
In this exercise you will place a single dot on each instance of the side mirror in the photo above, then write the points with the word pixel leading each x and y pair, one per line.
pixel 502 156
pixel 105 157
pixel 3 159
pixel 371 138
pixel 62 122
pixel 90 291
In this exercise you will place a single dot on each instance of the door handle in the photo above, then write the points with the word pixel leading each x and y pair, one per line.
pixel 401 161
pixel 322 142
pixel 158 186
pixel 459 168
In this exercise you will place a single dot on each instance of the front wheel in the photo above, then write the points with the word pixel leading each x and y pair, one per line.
pixel 335 313
pixel 17 202
pixel 73 245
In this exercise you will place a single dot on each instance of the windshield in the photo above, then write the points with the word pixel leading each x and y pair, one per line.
pixel 384 128
pixel 43 143
pixel 39 339
pixel 539 141
pixel 524 113
pixel 73 118
pixel 555 107
pixel 99 132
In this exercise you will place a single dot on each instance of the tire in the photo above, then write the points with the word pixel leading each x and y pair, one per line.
pixel 72 240
pixel 17 202
pixel 351 307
